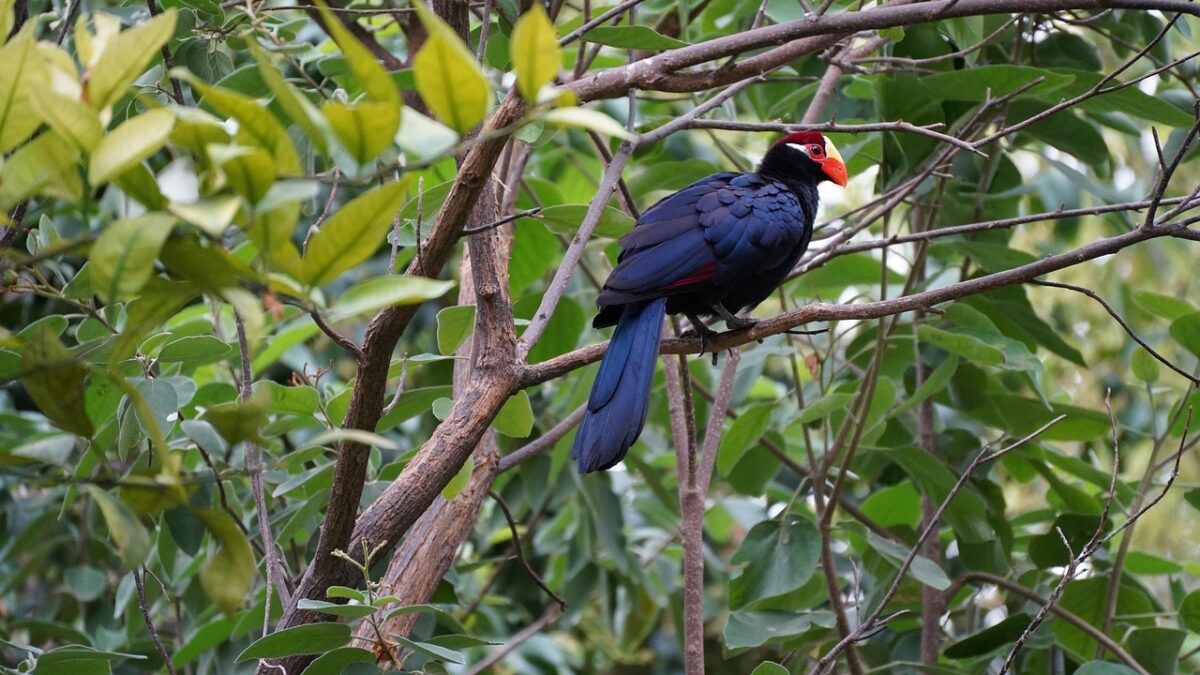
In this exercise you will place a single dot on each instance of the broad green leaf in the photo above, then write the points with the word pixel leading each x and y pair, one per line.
pixel 247 170
pixel 515 418
pixel 454 324
pixel 366 69
pixel 769 668
pixel 79 660
pixel 1165 306
pixel 129 144
pixel 566 219
pixel 46 165
pixel 125 57
pixel 961 344
pixel 195 350
pixel 375 294
pixel 364 129
pixel 975 84
pixel 448 77
pixel 1186 331
pixel 745 630
pixel 211 215
pixel 228 572
pixel 256 125
pixel 780 557
pixel 68 117
pixel 1145 367
pixel 297 107
pixel 989 639
pixel 430 650
pixel 124 528
pixel 1189 611
pixel 296 400
pixel 743 434
pixel 459 483
pixel 1156 649
pixel 352 234
pixel 632 37
pixel 122 259
pixel 336 609
pixel 314 638
pixel 535 55
pixel 1088 598
pixel 1104 668
pixel 922 569
pixel 1128 100
pixel 19 70
pixel 585 118
pixel 933 384
pixel 55 380
pixel 335 661
pixel 239 421
pixel 967 513
pixel 6 18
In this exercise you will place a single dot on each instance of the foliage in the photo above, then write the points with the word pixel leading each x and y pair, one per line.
pixel 211 208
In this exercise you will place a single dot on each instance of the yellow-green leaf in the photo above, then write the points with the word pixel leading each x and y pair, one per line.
pixel 449 79
pixel 196 129
pixel 535 54
pixel 124 528
pixel 248 171
pixel 211 215
pixel 123 257
pixel 126 56
pixel 18 69
pixel 364 129
pixel 586 118
pixel 137 182
pixel 374 80
pixel 6 18
pixel 256 125
pixel 45 165
pixel 56 381
pixel 129 144
pixel 271 232
pixel 460 481
pixel 298 108
pixel 70 118
pixel 515 418
pixel 228 573
pixel 375 294
pixel 353 234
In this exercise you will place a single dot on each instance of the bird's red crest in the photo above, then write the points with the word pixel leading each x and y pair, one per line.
pixel 804 138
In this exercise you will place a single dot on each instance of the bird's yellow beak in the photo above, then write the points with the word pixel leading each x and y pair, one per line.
pixel 834 166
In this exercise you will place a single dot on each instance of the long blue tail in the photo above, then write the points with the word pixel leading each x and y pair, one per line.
pixel 616 410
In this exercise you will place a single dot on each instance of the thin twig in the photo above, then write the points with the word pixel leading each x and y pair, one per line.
pixel 158 645
pixel 341 340
pixel 516 536
pixel 545 441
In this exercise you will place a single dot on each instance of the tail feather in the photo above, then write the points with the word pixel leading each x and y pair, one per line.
pixel 620 397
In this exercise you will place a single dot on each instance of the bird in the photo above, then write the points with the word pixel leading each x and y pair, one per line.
pixel 717 247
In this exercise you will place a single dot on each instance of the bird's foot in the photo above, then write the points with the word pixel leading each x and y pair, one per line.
pixel 740 322
pixel 701 330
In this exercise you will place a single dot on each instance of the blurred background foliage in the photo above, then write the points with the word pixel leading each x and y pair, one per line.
pixel 150 211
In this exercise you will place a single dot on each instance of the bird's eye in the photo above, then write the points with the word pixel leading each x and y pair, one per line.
pixel 816 150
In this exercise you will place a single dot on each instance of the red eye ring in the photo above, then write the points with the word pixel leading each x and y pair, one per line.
pixel 815 150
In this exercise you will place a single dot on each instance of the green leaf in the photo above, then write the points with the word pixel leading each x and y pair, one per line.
pixel 989 639
pixel 454 324
pixel 459 483
pixel 126 56
pixel 375 294
pixel 1104 668
pixel 967 513
pixel 448 78
pixel 430 650
pixel 515 418
pixel 335 662
pixel 46 165
pixel 122 259
pixel 961 344
pixel 19 70
pixel 78 660
pixel 194 350
pixel 124 528
pixel 239 421
pixel 229 571
pixel 975 84
pixel 364 129
pixel 922 569
pixel 566 219
pixel 1157 649
pixel 68 117
pixel 247 170
pixel 1165 306
pixel 1186 331
pixel 743 434
pixel 1142 563
pixel 352 234
pixel 746 630
pixel 335 608
pixel 211 215
pixel 294 400
pixel 1129 100
pixel 158 301
pixel 129 144
pixel 363 65
pixel 297 107
pixel 585 118
pixel 256 125
pixel 313 638
pixel 1189 611
pixel 769 668
pixel 535 56
pixel 56 381
pixel 780 556
pixel 632 37
pixel 1145 367
pixel 1088 598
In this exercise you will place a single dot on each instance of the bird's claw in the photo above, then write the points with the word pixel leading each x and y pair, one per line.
pixel 740 323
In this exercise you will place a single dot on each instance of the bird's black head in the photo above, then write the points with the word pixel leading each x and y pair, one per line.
pixel 806 157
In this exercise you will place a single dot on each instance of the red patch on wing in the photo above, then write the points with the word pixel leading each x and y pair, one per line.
pixel 707 272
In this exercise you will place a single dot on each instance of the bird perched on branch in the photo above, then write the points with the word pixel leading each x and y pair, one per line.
pixel 719 246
